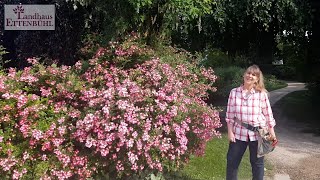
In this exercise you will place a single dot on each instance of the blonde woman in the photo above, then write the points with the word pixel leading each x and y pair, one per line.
pixel 248 104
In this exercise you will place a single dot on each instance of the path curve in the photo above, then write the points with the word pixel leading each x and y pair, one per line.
pixel 297 156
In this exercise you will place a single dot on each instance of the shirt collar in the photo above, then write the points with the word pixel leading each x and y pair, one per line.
pixel 252 91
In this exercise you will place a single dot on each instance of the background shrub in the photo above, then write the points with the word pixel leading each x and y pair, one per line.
pixel 2 52
pixel 314 88
pixel 228 78
pixel 215 58
pixel 271 82
pixel 284 72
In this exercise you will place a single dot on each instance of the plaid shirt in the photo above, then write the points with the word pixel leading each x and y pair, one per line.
pixel 252 108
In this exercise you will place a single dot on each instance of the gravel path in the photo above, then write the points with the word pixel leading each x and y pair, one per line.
pixel 297 156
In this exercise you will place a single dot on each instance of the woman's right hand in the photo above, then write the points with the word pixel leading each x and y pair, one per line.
pixel 231 136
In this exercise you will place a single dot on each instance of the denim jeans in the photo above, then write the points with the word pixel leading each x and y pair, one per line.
pixel 234 156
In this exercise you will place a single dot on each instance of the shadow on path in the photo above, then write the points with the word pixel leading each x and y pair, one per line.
pixel 297 155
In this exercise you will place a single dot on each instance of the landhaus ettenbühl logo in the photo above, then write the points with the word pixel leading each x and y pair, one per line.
pixel 18 10
pixel 29 17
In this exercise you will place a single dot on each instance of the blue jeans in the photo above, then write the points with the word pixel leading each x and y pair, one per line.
pixel 234 156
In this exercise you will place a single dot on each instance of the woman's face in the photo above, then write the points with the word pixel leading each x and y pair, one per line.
pixel 249 78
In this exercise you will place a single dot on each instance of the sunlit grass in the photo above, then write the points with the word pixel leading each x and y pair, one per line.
pixel 212 166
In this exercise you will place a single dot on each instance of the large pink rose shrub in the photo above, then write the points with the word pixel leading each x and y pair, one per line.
pixel 81 121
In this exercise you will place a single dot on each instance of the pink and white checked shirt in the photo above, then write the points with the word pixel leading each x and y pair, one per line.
pixel 253 108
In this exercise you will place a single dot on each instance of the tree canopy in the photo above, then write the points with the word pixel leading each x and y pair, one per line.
pixel 253 28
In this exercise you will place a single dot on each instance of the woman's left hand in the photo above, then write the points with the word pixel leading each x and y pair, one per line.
pixel 274 142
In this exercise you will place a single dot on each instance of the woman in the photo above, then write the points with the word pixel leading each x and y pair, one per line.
pixel 248 104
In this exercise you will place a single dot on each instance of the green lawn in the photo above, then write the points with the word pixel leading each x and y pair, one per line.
pixel 213 164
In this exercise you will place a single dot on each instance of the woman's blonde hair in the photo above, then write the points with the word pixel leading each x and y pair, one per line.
pixel 259 86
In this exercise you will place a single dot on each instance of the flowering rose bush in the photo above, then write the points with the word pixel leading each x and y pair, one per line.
pixel 96 118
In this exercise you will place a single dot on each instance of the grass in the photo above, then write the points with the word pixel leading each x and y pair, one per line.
pixel 299 106
pixel 212 166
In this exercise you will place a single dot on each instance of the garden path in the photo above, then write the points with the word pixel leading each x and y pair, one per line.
pixel 297 156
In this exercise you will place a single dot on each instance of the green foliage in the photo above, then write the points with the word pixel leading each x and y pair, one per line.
pixel 233 26
pixel 284 72
pixel 148 16
pixel 215 58
pixel 132 50
pixel 139 52
pixel 291 15
pixel 111 18
pixel 175 56
pixel 228 78
pixel 41 168
pixel 295 57
pixel 2 52
pixel 253 28
pixel 242 61
pixel 314 88
pixel 174 13
pixel 272 83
